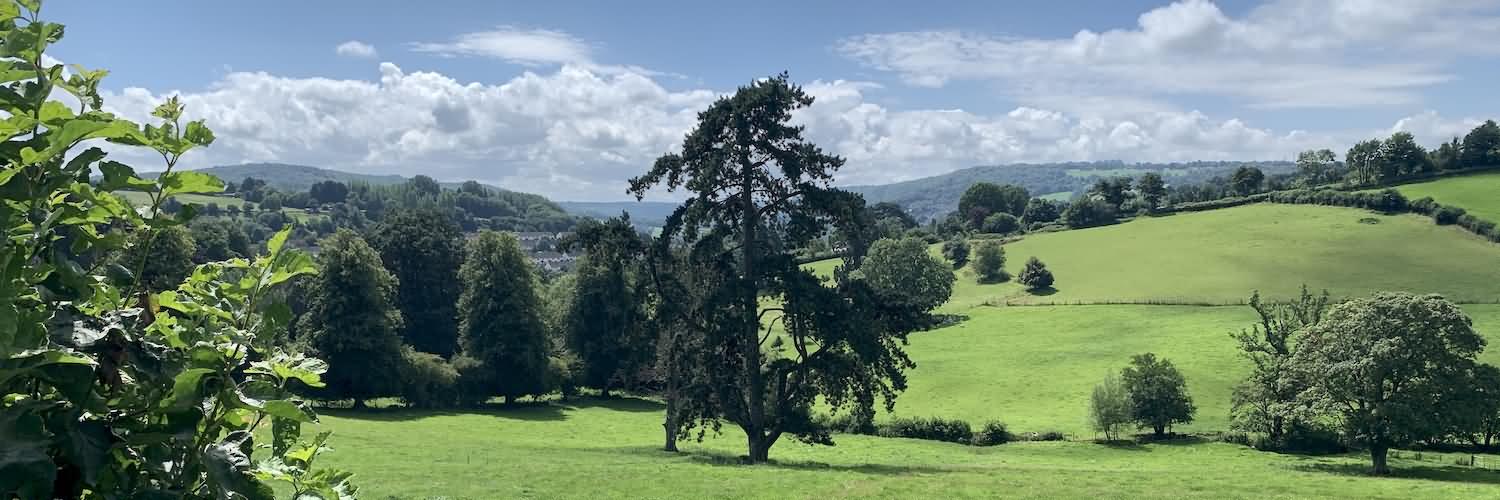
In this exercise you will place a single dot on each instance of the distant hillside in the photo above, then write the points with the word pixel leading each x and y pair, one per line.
pixel 642 213
pixel 286 177
pixel 934 196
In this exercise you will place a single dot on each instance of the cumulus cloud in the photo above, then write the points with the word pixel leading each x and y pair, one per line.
pixel 357 49
pixel 1284 54
pixel 579 133
pixel 515 45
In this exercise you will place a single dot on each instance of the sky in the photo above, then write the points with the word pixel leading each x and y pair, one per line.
pixel 571 99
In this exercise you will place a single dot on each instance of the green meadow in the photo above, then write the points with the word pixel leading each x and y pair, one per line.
pixel 1476 193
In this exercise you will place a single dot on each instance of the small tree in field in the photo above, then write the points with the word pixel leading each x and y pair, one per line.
pixel 1381 364
pixel 956 250
pixel 1158 394
pixel 1035 275
pixel 1109 407
pixel 353 321
pixel 902 272
pixel 500 320
pixel 989 262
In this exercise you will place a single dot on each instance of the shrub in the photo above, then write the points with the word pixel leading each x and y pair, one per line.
pixel 956 250
pixel 1001 223
pixel 993 433
pixel 473 381
pixel 1086 212
pixel 1447 215
pixel 1044 436
pixel 427 380
pixel 989 262
pixel 1035 275
pixel 1109 407
pixel 931 429
pixel 846 423
pixel 1425 206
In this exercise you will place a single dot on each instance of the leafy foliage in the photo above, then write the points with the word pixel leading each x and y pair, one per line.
pixel 500 323
pixel 903 273
pixel 1035 276
pixel 423 249
pixel 605 321
pixel 989 262
pixel 136 392
pixel 1265 401
pixel 984 199
pixel 956 250
pixel 352 320
pixel 1158 394
pixel 1110 407
pixel 1380 364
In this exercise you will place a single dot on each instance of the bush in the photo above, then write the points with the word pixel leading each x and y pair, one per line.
pixel 989 262
pixel 847 424
pixel 931 429
pixel 993 433
pixel 1109 407
pixel 1085 212
pixel 1444 216
pixel 427 380
pixel 956 250
pixel 1044 436
pixel 1035 275
pixel 473 381
pixel 1001 223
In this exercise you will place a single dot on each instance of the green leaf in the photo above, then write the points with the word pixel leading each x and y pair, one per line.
pixel 197 133
pixel 186 388
pixel 289 410
pixel 284 434
pixel 118 176
pixel 229 470
pixel 292 367
pixel 190 182
pixel 26 470
pixel 273 246
pixel 85 443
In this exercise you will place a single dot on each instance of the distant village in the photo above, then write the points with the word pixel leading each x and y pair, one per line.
pixel 542 247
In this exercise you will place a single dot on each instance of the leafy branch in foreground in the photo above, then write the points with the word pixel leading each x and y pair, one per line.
pixel 115 391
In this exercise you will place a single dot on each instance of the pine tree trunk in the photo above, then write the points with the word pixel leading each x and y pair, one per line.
pixel 510 400
pixel 754 423
pixel 1377 457
pixel 359 404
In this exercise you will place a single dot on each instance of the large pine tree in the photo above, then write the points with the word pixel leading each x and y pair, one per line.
pixel 500 320
pixel 352 320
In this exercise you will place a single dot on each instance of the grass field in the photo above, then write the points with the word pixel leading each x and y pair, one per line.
pixel 1033 367
pixel 609 449
pixel 1478 193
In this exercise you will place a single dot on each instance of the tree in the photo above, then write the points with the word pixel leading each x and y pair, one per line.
pixel 500 322
pixel 989 262
pixel 606 324
pixel 1318 167
pixel 1447 156
pixel 886 210
pixel 218 239
pixel 1364 162
pixel 956 250
pixel 1152 189
pixel 1481 146
pixel 1088 212
pixel 1401 156
pixel 1001 223
pixel 757 190
pixel 983 199
pixel 1110 407
pixel 1035 275
pixel 1114 191
pixel 425 186
pixel 161 257
pixel 353 321
pixel 326 192
pixel 1378 364
pixel 1040 211
pixel 1247 180
pixel 423 248
pixel 902 272
pixel 1265 401
pixel 1158 394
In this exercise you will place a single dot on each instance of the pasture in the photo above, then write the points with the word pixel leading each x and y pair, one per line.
pixel 1475 193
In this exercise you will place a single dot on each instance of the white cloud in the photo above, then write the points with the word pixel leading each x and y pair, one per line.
pixel 515 45
pixel 356 48
pixel 578 133
pixel 1285 54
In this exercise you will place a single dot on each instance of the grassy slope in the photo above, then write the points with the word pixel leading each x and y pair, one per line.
pixel 609 450
pixel 1033 367
pixel 1479 193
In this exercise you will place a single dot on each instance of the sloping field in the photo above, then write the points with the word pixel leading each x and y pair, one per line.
pixel 1479 193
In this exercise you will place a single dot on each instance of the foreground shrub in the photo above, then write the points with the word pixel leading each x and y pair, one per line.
pixel 931 429
pixel 993 433
pixel 427 380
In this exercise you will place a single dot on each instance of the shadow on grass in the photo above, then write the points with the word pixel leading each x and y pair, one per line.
pixel 718 459
pixel 1124 444
pixel 1175 440
pixel 1042 292
pixel 535 411
pixel 1446 473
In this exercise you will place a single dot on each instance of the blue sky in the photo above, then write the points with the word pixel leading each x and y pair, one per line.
pixel 569 99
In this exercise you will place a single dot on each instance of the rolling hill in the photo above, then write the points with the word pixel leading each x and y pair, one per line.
pixel 1479 194
pixel 934 196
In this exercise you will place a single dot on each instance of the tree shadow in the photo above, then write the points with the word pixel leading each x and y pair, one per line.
pixel 724 459
pixel 1174 440
pixel 1445 473
pixel 536 411
pixel 1043 292
pixel 618 403
pixel 1123 444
